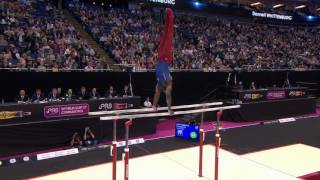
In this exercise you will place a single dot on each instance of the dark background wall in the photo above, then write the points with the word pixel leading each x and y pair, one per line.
pixel 189 87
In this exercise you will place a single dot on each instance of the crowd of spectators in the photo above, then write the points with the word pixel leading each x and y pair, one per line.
pixel 58 94
pixel 34 34
pixel 131 37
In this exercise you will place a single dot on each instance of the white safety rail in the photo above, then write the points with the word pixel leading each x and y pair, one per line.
pixel 143 110
pixel 133 116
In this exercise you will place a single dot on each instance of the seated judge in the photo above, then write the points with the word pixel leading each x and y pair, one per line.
pixel 53 96
pixel 83 95
pixel 22 97
pixel 37 96
pixel 111 93
pixel 94 94
pixel 239 86
pixel 125 92
pixel 59 92
pixel 70 96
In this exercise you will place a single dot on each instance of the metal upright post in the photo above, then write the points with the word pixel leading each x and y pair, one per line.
pixel 126 150
pixel 114 151
pixel 201 140
pixel 217 146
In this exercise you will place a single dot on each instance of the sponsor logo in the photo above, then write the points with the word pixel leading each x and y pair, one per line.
pixel 269 122
pixel 296 93
pixel 284 120
pixel 172 2
pixel 26 159
pixel 105 106
pixel 55 154
pixel 12 161
pixel 13 114
pixel 89 148
pixel 252 96
pixel 114 106
pixel 66 110
pixel 276 94
pixel 130 142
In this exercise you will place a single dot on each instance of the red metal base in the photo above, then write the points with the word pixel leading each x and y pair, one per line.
pixel 126 164
pixel 201 139
pixel 114 160
pixel 216 165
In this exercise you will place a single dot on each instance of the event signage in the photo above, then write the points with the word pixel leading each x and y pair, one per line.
pixel 253 96
pixel 285 120
pixel 55 154
pixel 130 142
pixel 13 114
pixel 296 93
pixel 12 161
pixel 115 106
pixel 172 2
pixel 16 160
pixel 219 9
pixel 276 94
pixel 34 112
pixel 66 110
pixel 187 131
pixel 272 16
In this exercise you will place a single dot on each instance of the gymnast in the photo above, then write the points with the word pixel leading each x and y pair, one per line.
pixel 165 58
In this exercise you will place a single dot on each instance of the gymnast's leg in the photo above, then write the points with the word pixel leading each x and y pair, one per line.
pixel 168 91
pixel 156 96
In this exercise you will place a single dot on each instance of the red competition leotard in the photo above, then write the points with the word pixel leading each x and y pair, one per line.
pixel 165 51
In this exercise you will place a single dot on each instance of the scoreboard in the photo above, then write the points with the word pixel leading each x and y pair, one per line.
pixel 187 131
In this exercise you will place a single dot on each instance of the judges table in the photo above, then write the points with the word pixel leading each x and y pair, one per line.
pixel 270 104
pixel 49 111
pixel 35 126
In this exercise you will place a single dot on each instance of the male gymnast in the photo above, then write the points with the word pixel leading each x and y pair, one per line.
pixel 165 58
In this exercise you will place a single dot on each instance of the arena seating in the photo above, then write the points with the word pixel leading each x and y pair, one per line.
pixel 131 38
pixel 37 35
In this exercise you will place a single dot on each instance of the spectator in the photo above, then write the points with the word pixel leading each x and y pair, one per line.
pixel 70 96
pixel 83 95
pixel 59 92
pixel 240 86
pixel 55 68
pixel 147 103
pixel 125 92
pixel 111 93
pixel 253 86
pixel 94 94
pixel 38 31
pixel 3 42
pixel 22 97
pixel 53 96
pixel 37 96
pixel 89 67
pixel 41 67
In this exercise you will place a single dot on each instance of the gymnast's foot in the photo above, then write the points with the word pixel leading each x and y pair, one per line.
pixel 154 108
